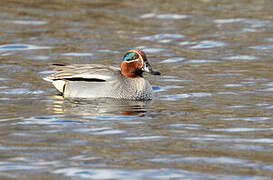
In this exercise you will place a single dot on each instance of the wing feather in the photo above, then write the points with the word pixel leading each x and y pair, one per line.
pixel 84 71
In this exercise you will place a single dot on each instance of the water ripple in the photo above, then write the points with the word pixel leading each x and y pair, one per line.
pixel 174 79
pixel 253 23
pixel 197 61
pixel 165 88
pixel 29 22
pixel 269 84
pixel 109 132
pixel 270 39
pixel 12 166
pixel 77 54
pixel 217 160
pixel 21 91
pixel 114 117
pixel 208 44
pixel 173 60
pixel 162 173
pixel 4 79
pixel 185 43
pixel 241 57
pixel 39 57
pixel 151 50
pixel 175 97
pixel 164 16
pixel 225 21
pixel 263 47
pixel 21 47
pixel 246 119
pixel 242 129
pixel 43 120
pixel 185 126
pixel 144 138
pixel 171 16
pixel 233 85
pixel 162 36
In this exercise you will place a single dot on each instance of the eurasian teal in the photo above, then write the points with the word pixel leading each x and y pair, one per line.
pixel 95 81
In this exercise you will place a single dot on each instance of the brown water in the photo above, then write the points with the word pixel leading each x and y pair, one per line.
pixel 212 117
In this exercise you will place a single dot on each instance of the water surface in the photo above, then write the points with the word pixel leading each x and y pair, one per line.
pixel 211 117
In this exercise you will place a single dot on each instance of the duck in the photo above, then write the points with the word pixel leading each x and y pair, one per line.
pixel 102 81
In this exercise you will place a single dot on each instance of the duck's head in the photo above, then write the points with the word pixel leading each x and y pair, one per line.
pixel 134 63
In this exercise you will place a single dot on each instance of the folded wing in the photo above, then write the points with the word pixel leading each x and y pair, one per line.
pixel 81 72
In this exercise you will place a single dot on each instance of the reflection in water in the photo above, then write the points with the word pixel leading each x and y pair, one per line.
pixel 99 106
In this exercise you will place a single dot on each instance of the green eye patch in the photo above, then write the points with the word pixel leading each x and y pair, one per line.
pixel 130 56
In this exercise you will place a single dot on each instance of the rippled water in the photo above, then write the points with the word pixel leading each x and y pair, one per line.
pixel 211 117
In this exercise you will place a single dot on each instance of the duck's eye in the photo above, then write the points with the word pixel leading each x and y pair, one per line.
pixel 130 56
